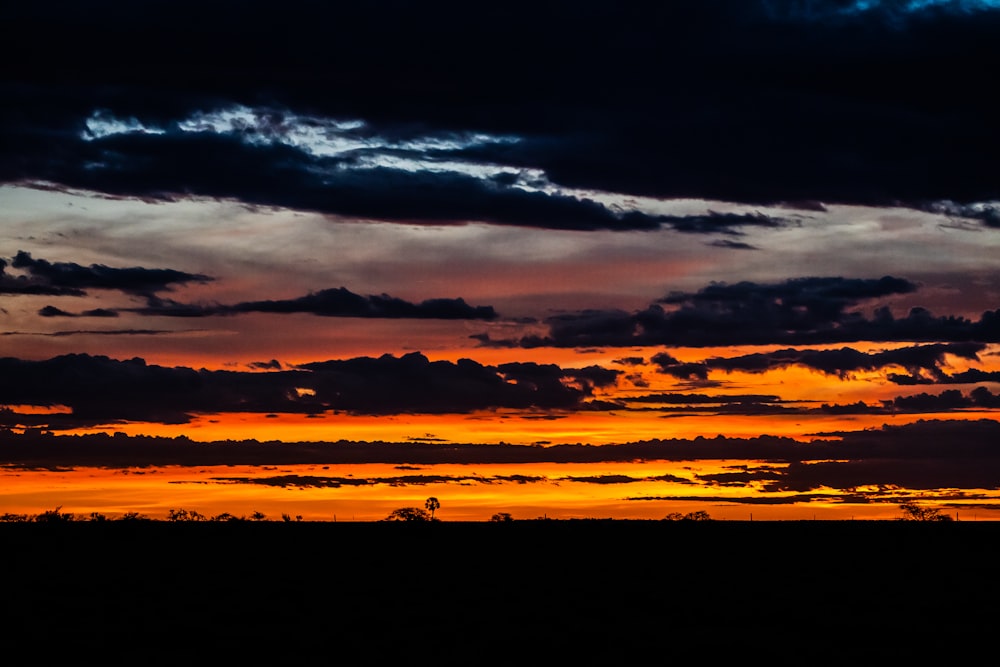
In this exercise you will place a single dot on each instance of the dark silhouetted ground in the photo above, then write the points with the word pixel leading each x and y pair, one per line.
pixel 527 592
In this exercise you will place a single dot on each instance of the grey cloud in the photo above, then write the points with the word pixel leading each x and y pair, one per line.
pixel 813 310
pixel 866 131
pixel 71 276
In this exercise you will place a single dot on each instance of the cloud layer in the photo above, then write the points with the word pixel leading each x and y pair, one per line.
pixel 800 311
pixel 852 102
pixel 100 390
pixel 71 279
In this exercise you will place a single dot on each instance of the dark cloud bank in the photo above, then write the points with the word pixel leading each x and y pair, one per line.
pixel 100 390
pixel 924 363
pixel 800 311
pixel 70 279
pixel 950 400
pixel 335 302
pixel 738 100
pixel 42 277
pixel 926 455
pixel 85 390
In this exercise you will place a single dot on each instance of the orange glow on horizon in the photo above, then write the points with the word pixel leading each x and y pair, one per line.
pixel 518 428
pixel 154 491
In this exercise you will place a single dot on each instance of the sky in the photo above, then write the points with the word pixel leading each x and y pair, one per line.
pixel 551 258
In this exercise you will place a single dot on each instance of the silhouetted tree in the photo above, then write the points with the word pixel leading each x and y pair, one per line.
pixel 258 516
pixel 431 504
pixel 9 517
pixel 97 516
pixel 914 512
pixel 408 514
pixel 502 517
pixel 184 515
pixel 700 515
pixel 54 516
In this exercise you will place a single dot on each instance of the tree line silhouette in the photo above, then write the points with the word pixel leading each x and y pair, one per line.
pixel 911 510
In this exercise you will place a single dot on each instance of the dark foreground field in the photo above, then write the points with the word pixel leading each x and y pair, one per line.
pixel 556 592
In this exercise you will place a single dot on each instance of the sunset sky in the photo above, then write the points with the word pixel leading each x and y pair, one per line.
pixel 602 234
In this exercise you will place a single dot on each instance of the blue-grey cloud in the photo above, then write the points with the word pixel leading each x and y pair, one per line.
pixel 69 279
pixel 334 302
pixel 615 99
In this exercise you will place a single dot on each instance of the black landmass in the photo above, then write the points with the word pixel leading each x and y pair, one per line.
pixel 527 592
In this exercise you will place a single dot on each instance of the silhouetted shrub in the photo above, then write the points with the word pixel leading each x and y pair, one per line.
pixel 914 512
pixel 700 515
pixel 54 516
pixel 409 514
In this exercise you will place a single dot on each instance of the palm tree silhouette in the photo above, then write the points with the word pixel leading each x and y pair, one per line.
pixel 431 505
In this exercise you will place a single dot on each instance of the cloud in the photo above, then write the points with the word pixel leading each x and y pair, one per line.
pixel 100 390
pixel 10 284
pixel 341 302
pixel 742 478
pixel 400 132
pixel 930 445
pixel 951 399
pixel 276 158
pixel 908 474
pixel 52 311
pixel 678 369
pixel 802 310
pixel 798 311
pixel 96 332
pixel 67 278
pixel 785 499
pixel 916 359
pixel 702 399
pixel 336 302
pixel 970 376
pixel 76 278
pixel 316 481
pixel 980 398
pixel 894 12
pixel 986 213
pixel 723 222
pixel 624 479
pixel 732 245
pixel 814 295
